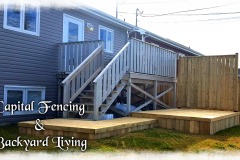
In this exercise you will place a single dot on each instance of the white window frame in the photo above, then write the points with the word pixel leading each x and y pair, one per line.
pixel 112 43
pixel 22 17
pixel 25 89
pixel 68 18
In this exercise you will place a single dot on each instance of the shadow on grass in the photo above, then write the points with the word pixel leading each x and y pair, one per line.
pixel 149 140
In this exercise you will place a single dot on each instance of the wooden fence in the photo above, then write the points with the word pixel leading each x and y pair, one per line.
pixel 239 93
pixel 208 82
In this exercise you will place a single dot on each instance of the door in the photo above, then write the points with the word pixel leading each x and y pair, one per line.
pixel 73 29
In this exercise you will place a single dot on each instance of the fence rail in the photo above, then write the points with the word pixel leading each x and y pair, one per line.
pixel 71 55
pixel 150 59
pixel 208 82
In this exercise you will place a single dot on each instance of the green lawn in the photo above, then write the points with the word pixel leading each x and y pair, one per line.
pixel 148 140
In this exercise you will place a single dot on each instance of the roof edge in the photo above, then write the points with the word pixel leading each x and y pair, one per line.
pixel 131 27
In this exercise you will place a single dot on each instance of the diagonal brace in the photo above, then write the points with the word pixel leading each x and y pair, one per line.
pixel 150 96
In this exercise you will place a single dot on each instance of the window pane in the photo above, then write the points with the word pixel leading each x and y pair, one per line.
pixel 109 36
pixel 30 21
pixel 109 41
pixel 103 35
pixel 14 96
pixel 73 32
pixel 35 96
pixel 13 16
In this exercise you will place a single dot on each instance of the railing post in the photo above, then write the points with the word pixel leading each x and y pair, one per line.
pixel 129 91
pixel 174 95
pixel 59 58
pixel 155 94
pixel 66 97
pixel 129 56
pixel 102 52
pixel 96 111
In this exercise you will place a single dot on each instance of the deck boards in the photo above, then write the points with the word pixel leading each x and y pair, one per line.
pixel 194 121
pixel 87 128
pixel 190 114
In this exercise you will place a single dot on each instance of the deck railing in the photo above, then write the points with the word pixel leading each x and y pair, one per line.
pixel 72 54
pixel 110 76
pixel 150 59
pixel 77 80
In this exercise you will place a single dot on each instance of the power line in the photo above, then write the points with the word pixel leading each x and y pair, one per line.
pixel 196 14
pixel 191 10
pixel 204 20
pixel 206 14
pixel 154 2
pixel 127 12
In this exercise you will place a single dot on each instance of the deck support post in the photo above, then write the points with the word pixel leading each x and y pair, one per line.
pixel 96 110
pixel 60 89
pixel 174 95
pixel 155 95
pixel 66 99
pixel 129 90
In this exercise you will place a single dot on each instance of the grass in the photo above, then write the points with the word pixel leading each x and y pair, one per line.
pixel 147 140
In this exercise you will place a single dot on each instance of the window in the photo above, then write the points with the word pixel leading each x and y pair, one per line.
pixel 73 29
pixel 106 35
pixel 22 18
pixel 25 95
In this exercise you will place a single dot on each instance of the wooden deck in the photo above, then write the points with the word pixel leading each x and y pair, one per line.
pixel 87 70
pixel 87 129
pixel 195 121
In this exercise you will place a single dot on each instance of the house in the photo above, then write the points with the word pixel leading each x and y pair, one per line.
pixel 33 37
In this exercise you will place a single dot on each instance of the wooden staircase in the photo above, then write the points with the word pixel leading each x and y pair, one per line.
pixel 87 98
pixel 95 85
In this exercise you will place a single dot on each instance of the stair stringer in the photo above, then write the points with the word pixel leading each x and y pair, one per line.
pixel 109 102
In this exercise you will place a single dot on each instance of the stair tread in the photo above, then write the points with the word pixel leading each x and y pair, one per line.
pixel 78 111
pixel 89 104
pixel 87 97
pixel 88 90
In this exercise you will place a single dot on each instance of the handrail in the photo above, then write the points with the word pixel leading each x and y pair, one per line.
pixel 81 42
pixel 82 65
pixel 77 81
pixel 110 76
pixel 111 62
pixel 72 54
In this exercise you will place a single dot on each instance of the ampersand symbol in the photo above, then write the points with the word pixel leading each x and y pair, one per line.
pixel 39 126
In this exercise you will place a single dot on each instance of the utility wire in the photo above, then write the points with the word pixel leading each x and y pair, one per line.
pixel 191 10
pixel 155 2
pixel 189 14
pixel 204 20
pixel 206 14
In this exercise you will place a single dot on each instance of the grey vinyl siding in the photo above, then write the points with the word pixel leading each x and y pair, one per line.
pixel 29 60
pixel 120 35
